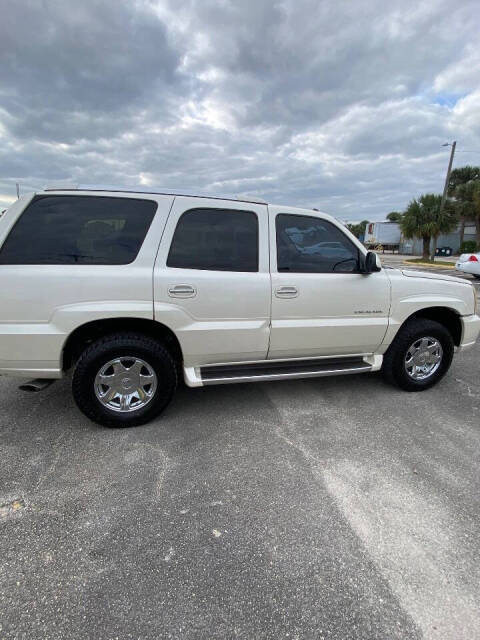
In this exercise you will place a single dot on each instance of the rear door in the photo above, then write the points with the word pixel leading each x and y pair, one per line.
pixel 321 304
pixel 69 258
pixel 69 249
pixel 212 280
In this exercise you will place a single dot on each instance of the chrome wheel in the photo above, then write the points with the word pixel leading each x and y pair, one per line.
pixel 423 358
pixel 125 384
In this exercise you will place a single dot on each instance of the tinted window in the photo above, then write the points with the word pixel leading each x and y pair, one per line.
pixel 311 245
pixel 215 239
pixel 79 230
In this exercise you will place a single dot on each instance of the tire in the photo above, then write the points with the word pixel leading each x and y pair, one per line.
pixel 149 387
pixel 397 362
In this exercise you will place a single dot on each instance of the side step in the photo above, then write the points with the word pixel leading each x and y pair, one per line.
pixel 284 370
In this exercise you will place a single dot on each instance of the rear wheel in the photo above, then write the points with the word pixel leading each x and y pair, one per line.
pixel 124 380
pixel 419 356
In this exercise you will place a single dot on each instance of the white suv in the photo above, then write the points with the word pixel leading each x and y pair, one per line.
pixel 131 290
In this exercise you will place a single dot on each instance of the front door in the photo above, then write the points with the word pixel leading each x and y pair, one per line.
pixel 212 280
pixel 321 304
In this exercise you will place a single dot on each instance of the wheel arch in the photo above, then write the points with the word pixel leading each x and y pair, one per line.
pixel 87 333
pixel 445 316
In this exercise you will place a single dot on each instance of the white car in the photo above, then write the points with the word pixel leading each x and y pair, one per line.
pixel 129 290
pixel 469 263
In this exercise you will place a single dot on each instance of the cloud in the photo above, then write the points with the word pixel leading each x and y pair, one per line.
pixel 462 75
pixel 342 106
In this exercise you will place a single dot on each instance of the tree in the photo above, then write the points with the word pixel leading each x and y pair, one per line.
pixel 363 226
pixel 462 195
pixel 394 216
pixel 467 203
pixel 423 219
pixel 358 229
pixel 476 210
pixel 445 222
pixel 462 175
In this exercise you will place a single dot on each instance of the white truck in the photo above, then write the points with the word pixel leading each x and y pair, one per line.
pixel 129 291
pixel 385 234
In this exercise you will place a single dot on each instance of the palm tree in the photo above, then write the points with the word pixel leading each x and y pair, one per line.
pixel 462 200
pixel 467 203
pixel 462 175
pixel 423 219
pixel 476 210
pixel 415 224
pixel 445 221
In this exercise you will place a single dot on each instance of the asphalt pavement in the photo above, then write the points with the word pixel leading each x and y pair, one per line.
pixel 329 508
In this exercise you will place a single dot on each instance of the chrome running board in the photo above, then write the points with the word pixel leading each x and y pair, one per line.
pixel 284 370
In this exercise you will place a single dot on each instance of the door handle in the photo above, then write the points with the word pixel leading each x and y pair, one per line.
pixel 286 292
pixel 182 291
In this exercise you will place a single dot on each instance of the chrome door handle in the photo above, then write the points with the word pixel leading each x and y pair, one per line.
pixel 182 291
pixel 286 292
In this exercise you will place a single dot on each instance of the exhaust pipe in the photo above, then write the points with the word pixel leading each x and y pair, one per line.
pixel 36 385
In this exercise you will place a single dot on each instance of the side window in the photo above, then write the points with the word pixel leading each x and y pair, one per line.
pixel 79 230
pixel 311 245
pixel 215 240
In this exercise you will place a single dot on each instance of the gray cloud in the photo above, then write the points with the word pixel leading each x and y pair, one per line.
pixel 342 106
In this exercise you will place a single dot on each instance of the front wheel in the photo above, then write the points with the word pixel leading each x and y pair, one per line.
pixel 419 356
pixel 124 380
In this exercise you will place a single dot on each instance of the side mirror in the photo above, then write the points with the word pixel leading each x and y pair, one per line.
pixel 372 262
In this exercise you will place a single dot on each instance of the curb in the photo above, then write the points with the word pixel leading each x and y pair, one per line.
pixel 429 265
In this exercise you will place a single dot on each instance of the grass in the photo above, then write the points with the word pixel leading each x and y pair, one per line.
pixel 440 263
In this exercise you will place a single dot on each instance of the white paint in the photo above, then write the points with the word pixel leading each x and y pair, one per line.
pixel 232 316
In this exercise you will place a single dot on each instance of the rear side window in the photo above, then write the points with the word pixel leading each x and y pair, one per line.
pixel 79 230
pixel 215 240
pixel 311 245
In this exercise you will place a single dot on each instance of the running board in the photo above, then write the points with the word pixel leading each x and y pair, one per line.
pixel 284 370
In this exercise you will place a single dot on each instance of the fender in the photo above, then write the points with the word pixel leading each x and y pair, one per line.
pixel 405 308
pixel 38 347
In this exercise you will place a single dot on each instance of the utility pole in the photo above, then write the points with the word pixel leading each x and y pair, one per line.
pixel 449 170
pixel 445 191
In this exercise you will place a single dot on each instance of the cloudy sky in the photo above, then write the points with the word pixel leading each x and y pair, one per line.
pixel 338 105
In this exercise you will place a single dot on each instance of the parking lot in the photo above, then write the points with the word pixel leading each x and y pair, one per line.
pixel 326 508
